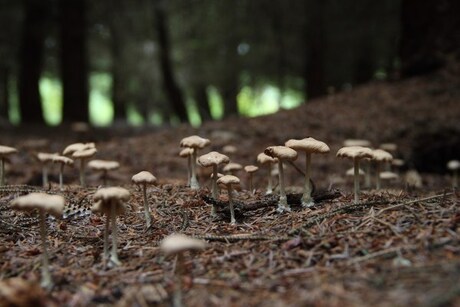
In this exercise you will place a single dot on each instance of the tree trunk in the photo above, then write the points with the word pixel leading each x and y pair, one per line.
pixel 74 71
pixel 229 94
pixel 173 92
pixel 202 102
pixel 4 94
pixel 31 62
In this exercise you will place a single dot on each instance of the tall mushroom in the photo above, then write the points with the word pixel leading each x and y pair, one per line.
pixel 5 151
pixel 110 201
pixel 187 153
pixel 229 181
pixel 380 156
pixel 355 153
pixel 367 162
pixel 178 244
pixel 250 169
pixel 103 166
pixel 213 159
pixel 267 160
pixel 83 155
pixel 454 166
pixel 45 158
pixel 282 153
pixel 143 179
pixel 62 161
pixel 194 142
pixel 309 146
pixel 44 203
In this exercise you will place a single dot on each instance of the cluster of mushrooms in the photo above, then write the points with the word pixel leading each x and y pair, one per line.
pixel 112 201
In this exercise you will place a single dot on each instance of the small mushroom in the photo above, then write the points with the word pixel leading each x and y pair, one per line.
pixel 45 158
pixel 110 201
pixel 229 181
pixel 454 166
pixel 390 148
pixel 380 156
pixel 351 172
pixel 229 149
pixel 282 153
pixel 194 142
pixel 143 179
pixel 44 203
pixel 250 169
pixel 83 155
pixel 355 153
pixel 267 160
pixel 178 244
pixel 5 151
pixel 388 176
pixel 62 161
pixel 104 166
pixel 356 142
pixel 231 168
pixel 309 146
pixel 187 153
pixel 213 159
pixel 69 150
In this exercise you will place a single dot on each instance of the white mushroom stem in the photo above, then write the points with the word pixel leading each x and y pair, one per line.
pixel 46 281
pixel 378 170
pixel 2 171
pixel 106 238
pixel 356 179
pixel 45 175
pixel 177 296
pixel 193 181
pixel 230 202
pixel 214 188
pixel 282 203
pixel 82 172
pixel 250 183
pixel 61 177
pixel 189 169
pixel 367 175
pixel 113 255
pixel 307 200
pixel 270 180
pixel 148 217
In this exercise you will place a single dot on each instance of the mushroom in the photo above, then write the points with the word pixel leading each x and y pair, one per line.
pixel 380 156
pixel 187 153
pixel 264 159
pixel 355 153
pixel 142 179
pixel 194 142
pixel 281 153
pixel 44 203
pixel 229 149
pixel 228 181
pixel 5 151
pixel 83 155
pixel 454 165
pixel 231 168
pixel 44 159
pixel 351 172
pixel 309 146
pixel 110 201
pixel 386 175
pixel 104 166
pixel 391 148
pixel 69 150
pixel 62 161
pixel 178 244
pixel 250 169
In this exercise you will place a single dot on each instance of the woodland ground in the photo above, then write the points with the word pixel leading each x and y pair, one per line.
pixel 400 246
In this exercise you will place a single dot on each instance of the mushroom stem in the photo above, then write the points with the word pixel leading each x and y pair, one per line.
pixel 2 172
pixel 214 188
pixel 148 217
pixel 282 203
pixel 45 175
pixel 46 281
pixel 113 254
pixel 378 181
pixel 177 296
pixel 230 202
pixel 356 179
pixel 367 175
pixel 82 172
pixel 251 190
pixel 189 169
pixel 307 200
pixel 270 181
pixel 193 181
pixel 106 238
pixel 61 179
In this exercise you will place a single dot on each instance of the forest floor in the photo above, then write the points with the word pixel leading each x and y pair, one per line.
pixel 399 246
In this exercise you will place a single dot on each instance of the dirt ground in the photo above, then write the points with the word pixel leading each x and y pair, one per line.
pixel 399 246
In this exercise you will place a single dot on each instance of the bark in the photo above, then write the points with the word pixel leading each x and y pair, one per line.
pixel 229 94
pixel 74 71
pixel 4 94
pixel 202 102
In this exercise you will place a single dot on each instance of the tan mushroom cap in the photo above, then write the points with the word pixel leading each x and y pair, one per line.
pixel 228 179
pixel 308 145
pixel 356 142
pixel 184 153
pixel 103 200
pixel 251 168
pixel 388 175
pixel 354 152
pixel 281 152
pixel 62 160
pixel 144 177
pixel 52 204
pixel 397 162
pixel 381 155
pixel 351 172
pixel 453 165
pixel 194 141
pixel 229 149
pixel 69 150
pixel 213 158
pixel 7 150
pixel 263 159
pixel 389 147
pixel 46 157
pixel 177 243
pixel 232 166
pixel 85 153
pixel 103 165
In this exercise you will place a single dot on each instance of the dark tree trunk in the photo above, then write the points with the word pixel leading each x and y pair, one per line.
pixel 31 62
pixel 4 94
pixel 429 29
pixel 229 95
pixel 173 92
pixel 363 64
pixel 315 50
pixel 74 70
pixel 202 102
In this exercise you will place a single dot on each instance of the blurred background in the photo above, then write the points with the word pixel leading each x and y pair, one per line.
pixel 162 62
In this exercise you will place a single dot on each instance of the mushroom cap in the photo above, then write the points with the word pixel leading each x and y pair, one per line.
pixel 62 160
pixel 177 243
pixel 105 197
pixel 388 175
pixel 194 141
pixel 184 153
pixel 232 166
pixel 354 152
pixel 351 172
pixel 228 180
pixel 250 168
pixel 381 155
pixel 308 145
pixel 453 165
pixel 356 142
pixel 100 165
pixel 69 150
pixel 213 158
pixel 263 159
pixel 397 162
pixel 389 146
pixel 281 152
pixel 46 157
pixel 144 177
pixel 85 153
pixel 218 175
pixel 52 204
pixel 7 150
pixel 229 149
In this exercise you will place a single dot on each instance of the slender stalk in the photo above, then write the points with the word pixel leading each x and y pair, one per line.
pixel 189 169
pixel 82 172
pixel 356 180
pixel 270 180
pixel 282 204
pixel 367 176
pixel 307 200
pixel 214 189
pixel 2 172
pixel 148 217
pixel 113 255
pixel 61 176
pixel 230 202
pixel 251 190
pixel 45 175
pixel 46 281
pixel 177 296
pixel 106 237
pixel 378 181
pixel 193 181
